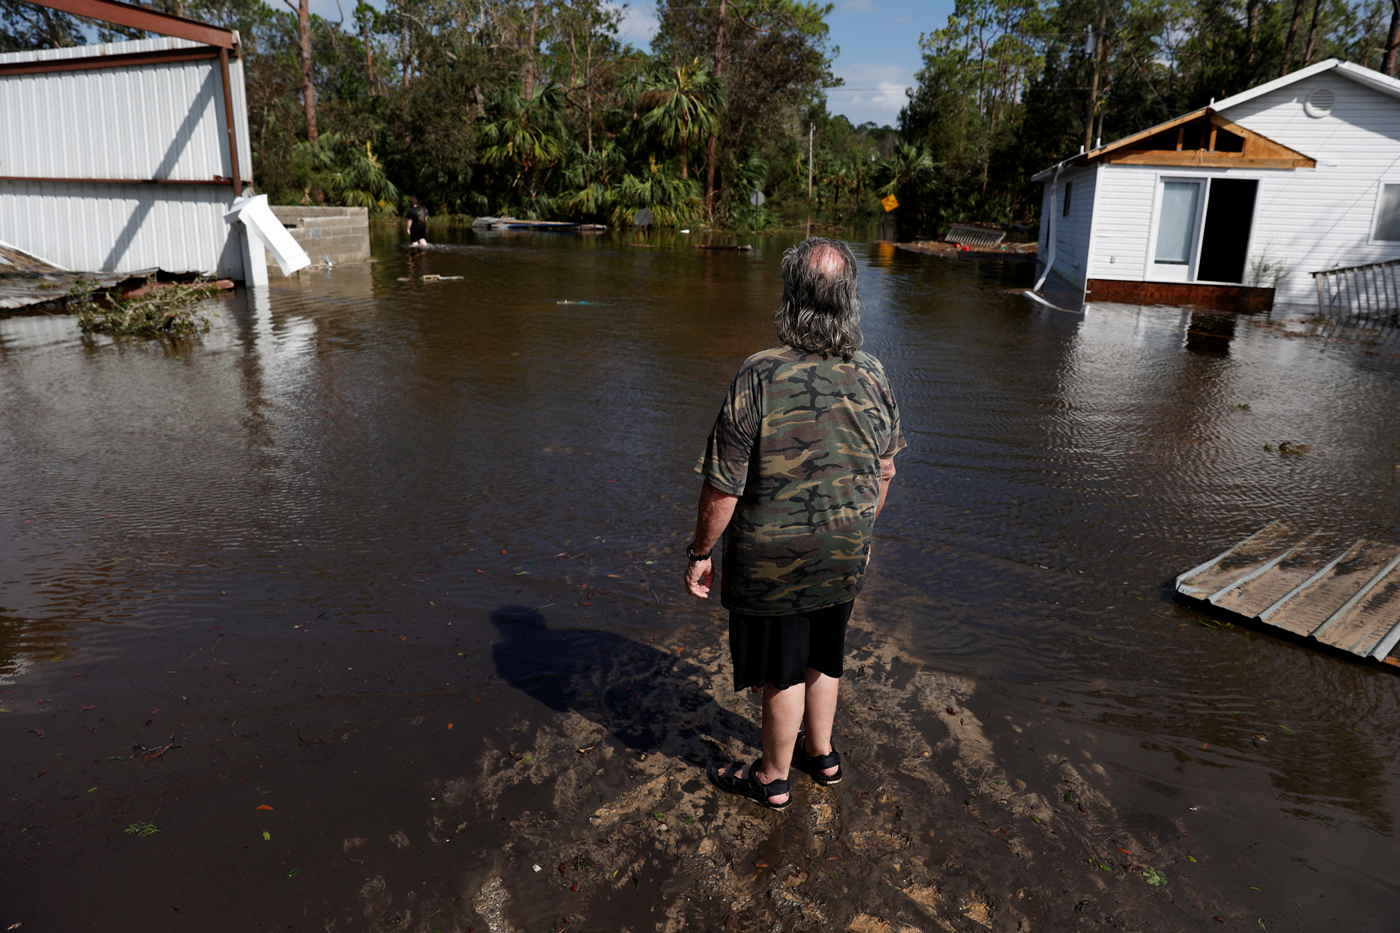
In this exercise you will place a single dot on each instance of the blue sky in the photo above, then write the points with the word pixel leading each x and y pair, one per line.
pixel 878 39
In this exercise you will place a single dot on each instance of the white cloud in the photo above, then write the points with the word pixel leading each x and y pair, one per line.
pixel 872 93
pixel 639 22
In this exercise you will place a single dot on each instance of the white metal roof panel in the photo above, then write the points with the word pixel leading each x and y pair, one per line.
pixel 157 44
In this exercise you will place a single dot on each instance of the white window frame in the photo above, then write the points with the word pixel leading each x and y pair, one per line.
pixel 1371 239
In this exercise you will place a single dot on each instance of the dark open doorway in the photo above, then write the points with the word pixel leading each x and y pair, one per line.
pixel 1225 240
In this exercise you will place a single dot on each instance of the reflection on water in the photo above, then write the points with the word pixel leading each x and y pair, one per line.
pixel 527 436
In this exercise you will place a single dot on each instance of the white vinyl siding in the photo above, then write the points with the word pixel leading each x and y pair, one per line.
pixel 1314 219
pixel 1072 227
pixel 1124 223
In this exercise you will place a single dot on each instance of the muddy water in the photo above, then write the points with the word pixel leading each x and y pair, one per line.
pixel 398 561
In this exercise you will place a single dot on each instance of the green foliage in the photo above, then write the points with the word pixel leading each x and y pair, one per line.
pixel 673 200
pixel 681 105
pixel 167 310
pixel 1004 91
pixel 343 173
pixel 141 830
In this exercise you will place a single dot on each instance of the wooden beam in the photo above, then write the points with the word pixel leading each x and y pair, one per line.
pixel 95 62
pixel 145 19
pixel 1205 159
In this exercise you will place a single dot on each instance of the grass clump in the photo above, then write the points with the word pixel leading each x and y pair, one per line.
pixel 167 311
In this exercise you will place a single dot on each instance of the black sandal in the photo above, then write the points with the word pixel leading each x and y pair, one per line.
pixel 750 786
pixel 814 765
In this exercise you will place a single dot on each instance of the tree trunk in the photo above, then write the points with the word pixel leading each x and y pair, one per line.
pixel 369 56
pixel 1312 32
pixel 1292 36
pixel 403 44
pixel 1252 15
pixel 1388 62
pixel 530 58
pixel 713 146
pixel 308 81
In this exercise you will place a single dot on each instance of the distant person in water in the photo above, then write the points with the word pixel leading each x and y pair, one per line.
pixel 797 467
pixel 417 223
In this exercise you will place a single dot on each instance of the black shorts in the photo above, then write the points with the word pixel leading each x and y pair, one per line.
pixel 778 650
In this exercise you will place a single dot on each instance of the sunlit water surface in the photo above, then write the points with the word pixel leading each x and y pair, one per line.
pixel 528 436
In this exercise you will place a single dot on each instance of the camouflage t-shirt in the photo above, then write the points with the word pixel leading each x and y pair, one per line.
pixel 799 440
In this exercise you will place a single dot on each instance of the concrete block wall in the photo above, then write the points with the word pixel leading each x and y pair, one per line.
pixel 337 234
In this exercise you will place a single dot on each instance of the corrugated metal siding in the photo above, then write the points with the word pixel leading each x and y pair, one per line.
pixel 156 121
pixel 121 228
pixel 156 44
pixel 162 121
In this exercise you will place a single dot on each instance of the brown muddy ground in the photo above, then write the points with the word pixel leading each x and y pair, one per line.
pixel 289 797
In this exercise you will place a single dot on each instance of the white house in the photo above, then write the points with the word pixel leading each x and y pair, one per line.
pixel 1233 205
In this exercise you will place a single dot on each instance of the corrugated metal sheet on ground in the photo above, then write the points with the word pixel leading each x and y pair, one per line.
pixel 1345 595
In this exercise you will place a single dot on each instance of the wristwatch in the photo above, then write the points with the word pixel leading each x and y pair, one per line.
pixel 693 557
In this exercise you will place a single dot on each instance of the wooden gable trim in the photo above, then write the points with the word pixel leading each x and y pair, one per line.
pixel 1151 131
pixel 1258 151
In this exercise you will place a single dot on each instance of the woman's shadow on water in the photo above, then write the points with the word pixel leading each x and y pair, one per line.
pixel 648 699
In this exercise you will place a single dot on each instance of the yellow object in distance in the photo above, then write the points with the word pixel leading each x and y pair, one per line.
pixel 890 202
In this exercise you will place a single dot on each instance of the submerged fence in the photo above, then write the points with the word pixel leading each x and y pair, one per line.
pixel 1369 292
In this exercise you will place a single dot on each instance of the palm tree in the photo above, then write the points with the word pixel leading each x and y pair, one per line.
pixel 526 134
pixel 909 172
pixel 590 178
pixel 346 172
pixel 672 200
pixel 682 107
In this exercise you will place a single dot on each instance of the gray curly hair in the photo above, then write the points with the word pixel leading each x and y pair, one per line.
pixel 820 311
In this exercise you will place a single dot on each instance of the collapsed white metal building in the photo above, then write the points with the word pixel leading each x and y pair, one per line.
pixel 126 157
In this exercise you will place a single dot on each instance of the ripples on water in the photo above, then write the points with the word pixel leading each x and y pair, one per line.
pixel 374 452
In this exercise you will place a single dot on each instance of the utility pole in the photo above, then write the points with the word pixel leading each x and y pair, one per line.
pixel 1098 51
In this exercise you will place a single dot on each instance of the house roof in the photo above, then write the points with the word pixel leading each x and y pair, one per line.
pixel 1364 76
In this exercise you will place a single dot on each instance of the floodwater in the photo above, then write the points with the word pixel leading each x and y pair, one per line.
pixel 328 516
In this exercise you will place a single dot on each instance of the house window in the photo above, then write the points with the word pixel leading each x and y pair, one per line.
pixel 1176 226
pixel 1069 190
pixel 1388 214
